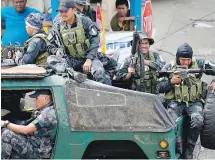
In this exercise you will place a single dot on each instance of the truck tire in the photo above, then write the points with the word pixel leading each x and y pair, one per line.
pixel 208 131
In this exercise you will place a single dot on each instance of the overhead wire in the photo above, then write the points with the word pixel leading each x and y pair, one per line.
pixel 184 26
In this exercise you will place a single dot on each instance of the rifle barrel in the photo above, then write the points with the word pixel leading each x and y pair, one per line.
pixel 199 70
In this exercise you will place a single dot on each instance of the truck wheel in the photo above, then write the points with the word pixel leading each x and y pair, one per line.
pixel 208 131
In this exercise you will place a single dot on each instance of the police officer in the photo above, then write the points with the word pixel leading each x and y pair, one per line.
pixel 83 6
pixel 35 47
pixel 34 138
pixel 186 94
pixel 130 69
pixel 79 38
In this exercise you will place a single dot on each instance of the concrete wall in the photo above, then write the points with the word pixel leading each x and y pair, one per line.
pixel 109 9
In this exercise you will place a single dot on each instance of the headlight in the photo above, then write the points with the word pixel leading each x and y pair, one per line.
pixel 163 144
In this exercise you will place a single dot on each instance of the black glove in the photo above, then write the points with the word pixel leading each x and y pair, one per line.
pixel 196 121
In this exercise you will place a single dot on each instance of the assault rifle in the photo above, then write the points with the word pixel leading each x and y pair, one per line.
pixel 60 66
pixel 136 48
pixel 59 42
pixel 183 72
pixel 11 49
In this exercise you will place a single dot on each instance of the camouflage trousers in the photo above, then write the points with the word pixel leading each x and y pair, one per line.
pixel 15 146
pixel 194 109
pixel 99 73
pixel 97 70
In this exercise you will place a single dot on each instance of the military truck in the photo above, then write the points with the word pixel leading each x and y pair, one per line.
pixel 101 121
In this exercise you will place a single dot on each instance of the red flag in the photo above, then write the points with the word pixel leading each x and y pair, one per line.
pixel 147 18
pixel 98 16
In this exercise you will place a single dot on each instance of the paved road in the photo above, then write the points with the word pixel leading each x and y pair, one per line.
pixel 175 16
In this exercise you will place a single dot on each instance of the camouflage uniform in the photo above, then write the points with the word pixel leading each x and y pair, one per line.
pixel 36 145
pixel 86 37
pixel 192 105
pixel 87 11
pixel 150 80
pixel 34 50
pixel 35 47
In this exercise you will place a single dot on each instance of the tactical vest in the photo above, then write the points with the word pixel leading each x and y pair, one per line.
pixel 41 59
pixel 74 39
pixel 190 89
pixel 149 80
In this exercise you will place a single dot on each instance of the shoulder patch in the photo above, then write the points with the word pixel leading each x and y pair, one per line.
pixel 32 46
pixel 93 31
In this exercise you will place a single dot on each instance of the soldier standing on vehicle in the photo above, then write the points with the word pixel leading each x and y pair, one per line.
pixel 186 93
pixel 35 47
pixel 76 38
pixel 35 137
pixel 130 69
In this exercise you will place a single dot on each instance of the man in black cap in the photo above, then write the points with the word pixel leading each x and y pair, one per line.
pixel 79 43
pixel 83 8
pixel 185 92
pixel 130 69
pixel 31 139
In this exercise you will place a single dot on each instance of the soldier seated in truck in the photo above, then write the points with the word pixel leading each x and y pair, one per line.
pixel 32 138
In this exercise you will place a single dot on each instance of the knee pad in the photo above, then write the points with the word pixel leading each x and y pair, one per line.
pixel 98 74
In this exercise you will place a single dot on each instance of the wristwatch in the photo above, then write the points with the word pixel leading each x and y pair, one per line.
pixel 6 123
